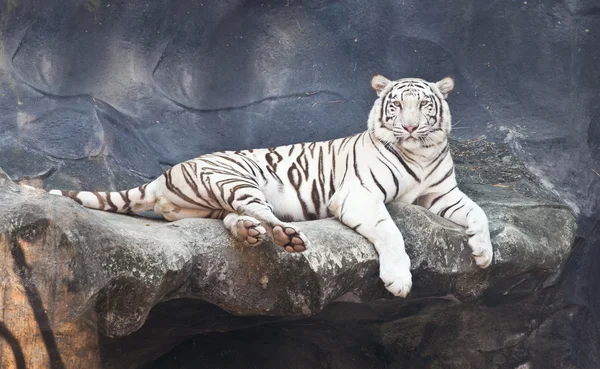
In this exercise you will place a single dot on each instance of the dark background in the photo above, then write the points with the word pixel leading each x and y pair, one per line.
pixel 101 95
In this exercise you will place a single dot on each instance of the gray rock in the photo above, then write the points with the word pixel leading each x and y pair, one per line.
pixel 465 336
pixel 49 132
pixel 125 265
pixel 566 339
pixel 119 267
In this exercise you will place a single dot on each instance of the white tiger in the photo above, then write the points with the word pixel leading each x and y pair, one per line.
pixel 403 155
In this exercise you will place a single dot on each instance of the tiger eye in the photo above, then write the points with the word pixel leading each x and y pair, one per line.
pixel 397 103
pixel 423 103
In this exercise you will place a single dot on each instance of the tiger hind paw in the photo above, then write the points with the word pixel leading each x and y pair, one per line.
pixel 290 238
pixel 250 231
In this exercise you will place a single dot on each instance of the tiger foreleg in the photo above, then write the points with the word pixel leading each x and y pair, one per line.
pixel 366 214
pixel 460 209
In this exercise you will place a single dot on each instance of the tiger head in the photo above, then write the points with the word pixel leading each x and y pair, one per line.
pixel 410 112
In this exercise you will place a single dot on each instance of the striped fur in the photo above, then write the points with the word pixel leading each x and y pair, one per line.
pixel 403 155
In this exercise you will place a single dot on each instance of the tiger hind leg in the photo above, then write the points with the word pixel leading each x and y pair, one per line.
pixel 283 234
pixel 245 228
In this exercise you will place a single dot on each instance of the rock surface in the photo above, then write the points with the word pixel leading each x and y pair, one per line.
pixel 119 267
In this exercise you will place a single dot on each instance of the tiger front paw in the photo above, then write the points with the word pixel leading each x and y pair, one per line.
pixel 396 275
pixel 482 251
pixel 290 238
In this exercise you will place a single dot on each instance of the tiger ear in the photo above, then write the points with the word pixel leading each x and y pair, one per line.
pixel 445 85
pixel 378 83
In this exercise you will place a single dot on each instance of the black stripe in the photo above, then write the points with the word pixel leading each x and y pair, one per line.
pixel 125 197
pixel 355 165
pixel 307 215
pixel 204 181
pixel 437 108
pixel 455 210
pixel 251 163
pixel 195 167
pixel 274 175
pixel 142 190
pixel 381 154
pixel 447 208
pixel 322 176
pixel 235 189
pixel 244 197
pixel 191 181
pixel 226 157
pixel 112 207
pixel 379 221
pixel 101 202
pixel 441 109
pixel 443 152
pixel 72 195
pixel 272 163
pixel 171 187
pixel 223 168
pixel 379 185
pixel 296 183
pixel 446 176
pixel 383 105
pixel 406 167
pixel 346 170
pixel 343 143
pixel 303 156
pixel 342 207
pixel 440 196
pixel 332 175
pixel 394 178
pixel 315 197
pixel 256 201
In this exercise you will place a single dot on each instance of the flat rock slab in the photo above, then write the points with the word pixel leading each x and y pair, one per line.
pixel 121 266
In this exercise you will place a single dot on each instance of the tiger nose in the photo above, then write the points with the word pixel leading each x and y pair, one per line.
pixel 410 129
